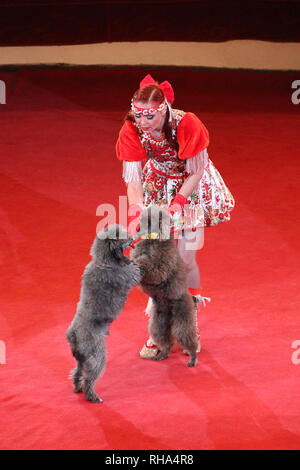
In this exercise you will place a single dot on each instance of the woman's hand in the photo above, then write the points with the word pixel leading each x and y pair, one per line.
pixel 177 205
pixel 190 184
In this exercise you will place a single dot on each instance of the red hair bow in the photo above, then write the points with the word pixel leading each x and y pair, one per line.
pixel 165 87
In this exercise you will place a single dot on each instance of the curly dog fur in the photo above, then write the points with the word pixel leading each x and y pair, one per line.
pixel 106 283
pixel 164 279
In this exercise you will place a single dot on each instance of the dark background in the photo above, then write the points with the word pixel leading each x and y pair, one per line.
pixel 41 22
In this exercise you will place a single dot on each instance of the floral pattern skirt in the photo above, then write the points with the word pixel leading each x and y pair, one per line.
pixel 210 203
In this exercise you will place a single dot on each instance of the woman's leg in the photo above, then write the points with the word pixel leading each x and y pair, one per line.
pixel 149 350
pixel 188 245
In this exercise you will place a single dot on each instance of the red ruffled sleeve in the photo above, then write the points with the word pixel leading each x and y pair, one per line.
pixel 192 136
pixel 128 145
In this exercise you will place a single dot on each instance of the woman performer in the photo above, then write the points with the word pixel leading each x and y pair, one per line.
pixel 177 173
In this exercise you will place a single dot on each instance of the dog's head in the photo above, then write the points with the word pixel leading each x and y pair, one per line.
pixel 154 224
pixel 110 243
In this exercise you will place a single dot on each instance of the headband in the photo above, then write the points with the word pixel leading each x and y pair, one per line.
pixel 147 111
pixel 168 92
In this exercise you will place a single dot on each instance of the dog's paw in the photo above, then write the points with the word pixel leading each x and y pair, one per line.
pixel 192 363
pixel 94 398
pixel 78 388
pixel 160 357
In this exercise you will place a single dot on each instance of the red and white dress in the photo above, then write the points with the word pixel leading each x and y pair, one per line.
pixel 166 169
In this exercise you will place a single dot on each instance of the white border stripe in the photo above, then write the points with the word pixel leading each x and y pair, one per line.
pixel 244 54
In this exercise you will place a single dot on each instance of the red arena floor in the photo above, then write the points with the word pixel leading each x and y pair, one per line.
pixel 58 132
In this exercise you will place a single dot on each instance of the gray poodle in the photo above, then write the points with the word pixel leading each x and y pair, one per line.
pixel 106 283
pixel 164 280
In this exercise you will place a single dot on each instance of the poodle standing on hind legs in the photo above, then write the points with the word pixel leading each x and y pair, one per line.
pixel 164 280
pixel 106 283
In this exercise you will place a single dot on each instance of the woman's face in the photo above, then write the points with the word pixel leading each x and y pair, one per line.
pixel 152 122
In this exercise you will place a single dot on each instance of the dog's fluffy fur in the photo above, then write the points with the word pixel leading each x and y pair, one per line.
pixel 164 279
pixel 106 282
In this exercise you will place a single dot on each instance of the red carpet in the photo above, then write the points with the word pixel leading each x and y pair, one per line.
pixel 58 131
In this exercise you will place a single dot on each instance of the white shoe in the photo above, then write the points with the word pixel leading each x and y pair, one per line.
pixel 149 350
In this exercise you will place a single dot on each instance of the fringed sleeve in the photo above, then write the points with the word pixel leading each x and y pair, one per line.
pixel 197 164
pixel 132 171
pixel 192 137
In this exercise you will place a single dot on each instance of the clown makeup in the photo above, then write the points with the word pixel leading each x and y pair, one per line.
pixel 152 123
